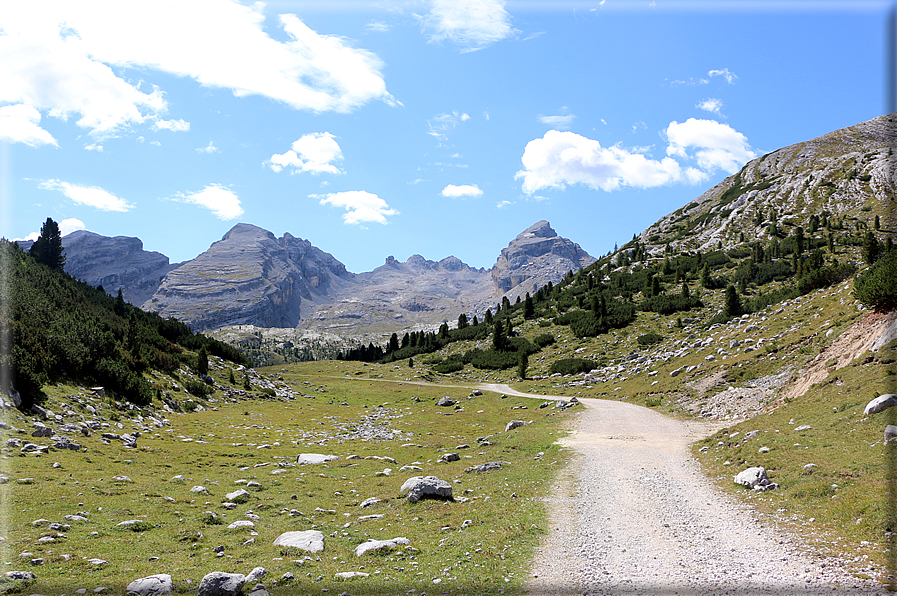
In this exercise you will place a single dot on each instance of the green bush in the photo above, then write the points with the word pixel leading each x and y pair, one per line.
pixel 572 366
pixel 449 365
pixel 198 388
pixel 648 339
pixel 877 286
pixel 667 304
pixel 544 339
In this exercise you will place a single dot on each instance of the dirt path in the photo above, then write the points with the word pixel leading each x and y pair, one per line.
pixel 635 515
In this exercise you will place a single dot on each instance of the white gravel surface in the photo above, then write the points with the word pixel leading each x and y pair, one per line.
pixel 635 515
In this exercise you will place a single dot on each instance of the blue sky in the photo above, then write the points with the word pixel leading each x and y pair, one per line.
pixel 400 127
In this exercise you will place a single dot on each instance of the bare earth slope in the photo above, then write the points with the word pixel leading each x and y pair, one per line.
pixel 634 515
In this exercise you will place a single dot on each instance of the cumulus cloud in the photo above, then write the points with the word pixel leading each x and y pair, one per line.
pixel 315 153
pixel 91 196
pixel 710 104
pixel 729 76
pixel 361 206
pixel 58 58
pixel 69 225
pixel 19 124
pixel 471 24
pixel 218 199
pixel 560 158
pixel 714 145
pixel 464 190
pixel 172 125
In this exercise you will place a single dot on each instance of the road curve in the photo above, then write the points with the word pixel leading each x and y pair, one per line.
pixel 634 515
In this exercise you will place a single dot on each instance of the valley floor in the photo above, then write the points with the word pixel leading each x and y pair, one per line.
pixel 635 515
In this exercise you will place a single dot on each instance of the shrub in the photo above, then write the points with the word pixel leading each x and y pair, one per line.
pixel 877 286
pixel 545 339
pixel 572 366
pixel 449 365
pixel 198 388
pixel 667 304
pixel 648 339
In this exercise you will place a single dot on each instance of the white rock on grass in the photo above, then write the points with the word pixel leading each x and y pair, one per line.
pixel 419 487
pixel 219 583
pixel 755 478
pixel 379 544
pixel 309 540
pixel 152 585
pixel 314 458
pixel 256 574
pixel 514 424
pixel 880 404
pixel 241 524
pixel 351 574
pixel 238 496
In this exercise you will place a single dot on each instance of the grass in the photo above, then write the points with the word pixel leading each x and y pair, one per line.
pixel 232 442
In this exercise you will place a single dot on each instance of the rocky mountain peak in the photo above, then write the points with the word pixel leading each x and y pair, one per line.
pixel 536 256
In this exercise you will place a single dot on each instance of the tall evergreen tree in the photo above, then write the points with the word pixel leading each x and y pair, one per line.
pixel 47 249
pixel 202 361
pixel 522 364
pixel 498 336
pixel 462 321
pixel 529 310
pixel 488 317
pixel 733 302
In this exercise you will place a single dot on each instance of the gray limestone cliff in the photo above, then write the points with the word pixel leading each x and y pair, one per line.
pixel 535 257
pixel 250 277
pixel 114 263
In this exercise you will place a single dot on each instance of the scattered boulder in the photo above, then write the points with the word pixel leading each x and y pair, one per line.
pixel 486 467
pixel 890 433
pixel 755 478
pixel 313 458
pixel 369 502
pixel 22 576
pixel 153 585
pixel 309 540
pixel 514 424
pixel 241 524
pixel 447 457
pixel 219 583
pixel 256 574
pixel 238 496
pixel 351 574
pixel 379 544
pixel 445 402
pixel 419 487
pixel 880 403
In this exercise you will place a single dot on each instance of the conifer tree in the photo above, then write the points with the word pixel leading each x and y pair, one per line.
pixel 529 310
pixel 522 365
pixel 488 317
pixel 230 377
pixel 733 302
pixel 47 249
pixel 498 336
pixel 202 361
pixel 462 321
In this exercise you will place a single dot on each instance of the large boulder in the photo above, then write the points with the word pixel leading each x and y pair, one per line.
pixel 755 478
pixel 309 540
pixel 379 544
pixel 219 583
pixel 880 403
pixel 153 585
pixel 420 487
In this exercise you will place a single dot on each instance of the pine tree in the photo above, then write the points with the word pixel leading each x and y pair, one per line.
pixel 462 321
pixel 522 365
pixel 230 377
pixel 202 361
pixel 871 248
pixel 488 318
pixel 799 240
pixel 498 336
pixel 393 343
pixel 529 310
pixel 47 249
pixel 877 224
pixel 246 384
pixel 733 302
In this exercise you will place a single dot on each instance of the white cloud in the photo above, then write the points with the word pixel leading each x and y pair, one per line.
pixel 377 27
pixel 67 226
pixel 441 124
pixel 563 122
pixel 472 24
pixel 502 204
pixel 560 158
pixel 729 76
pixel 19 124
pixel 29 238
pixel 94 147
pixel 361 206
pixel 715 145
pixel 92 196
pixel 464 190
pixel 210 148
pixel 158 144
pixel 315 153
pixel 58 56
pixel 217 199
pixel 172 125
pixel 711 104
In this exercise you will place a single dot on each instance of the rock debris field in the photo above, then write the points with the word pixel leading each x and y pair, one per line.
pixel 634 515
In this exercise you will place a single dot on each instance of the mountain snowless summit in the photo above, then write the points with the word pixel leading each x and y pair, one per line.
pixel 251 277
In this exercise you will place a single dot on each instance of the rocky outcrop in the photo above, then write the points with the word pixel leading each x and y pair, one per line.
pixel 114 263
pixel 250 277
pixel 535 257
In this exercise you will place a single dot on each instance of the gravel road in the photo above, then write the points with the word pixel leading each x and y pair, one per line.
pixel 634 515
